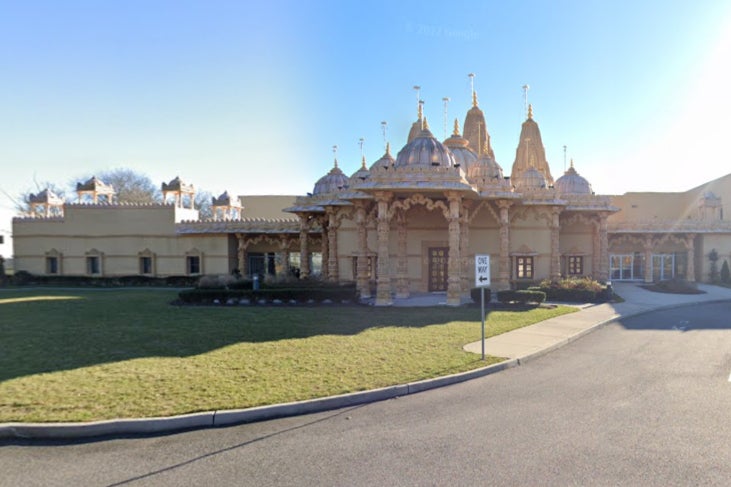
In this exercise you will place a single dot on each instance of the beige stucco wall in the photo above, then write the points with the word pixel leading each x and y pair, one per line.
pixel 118 235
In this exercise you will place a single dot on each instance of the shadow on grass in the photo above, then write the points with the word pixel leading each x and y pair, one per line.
pixel 52 330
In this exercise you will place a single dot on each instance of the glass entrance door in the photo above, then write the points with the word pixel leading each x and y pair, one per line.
pixel 621 267
pixel 663 266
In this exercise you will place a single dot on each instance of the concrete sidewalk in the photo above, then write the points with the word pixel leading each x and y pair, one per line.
pixel 547 335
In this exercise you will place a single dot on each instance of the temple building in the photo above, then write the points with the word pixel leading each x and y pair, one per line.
pixel 407 224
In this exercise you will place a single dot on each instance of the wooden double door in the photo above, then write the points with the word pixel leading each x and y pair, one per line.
pixel 438 267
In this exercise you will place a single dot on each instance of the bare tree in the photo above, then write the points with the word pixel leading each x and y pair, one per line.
pixel 131 186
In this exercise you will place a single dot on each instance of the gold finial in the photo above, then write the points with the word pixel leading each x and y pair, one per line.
pixel 420 112
pixel 456 127
pixel 572 163
pixel 335 154
pixel 363 163
pixel 388 148
pixel 530 111
pixel 425 125
pixel 474 98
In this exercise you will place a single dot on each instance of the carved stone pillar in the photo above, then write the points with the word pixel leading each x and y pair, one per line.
pixel 304 247
pixel 241 254
pixel 690 246
pixel 464 248
pixel 604 249
pixel 383 283
pixel 361 266
pixel 555 268
pixel 402 269
pixel 454 264
pixel 503 281
pixel 595 250
pixel 647 254
pixel 333 273
pixel 325 248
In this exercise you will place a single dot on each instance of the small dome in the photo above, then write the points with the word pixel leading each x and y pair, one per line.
pixel 386 161
pixel 459 146
pixel 332 182
pixel 531 178
pixel 362 173
pixel 572 183
pixel 425 150
pixel 485 169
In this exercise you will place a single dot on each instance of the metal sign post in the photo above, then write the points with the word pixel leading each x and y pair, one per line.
pixel 482 280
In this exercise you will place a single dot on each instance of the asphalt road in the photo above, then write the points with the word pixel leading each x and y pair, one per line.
pixel 643 402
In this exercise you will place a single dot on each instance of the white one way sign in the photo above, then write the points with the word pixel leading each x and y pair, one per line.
pixel 482 270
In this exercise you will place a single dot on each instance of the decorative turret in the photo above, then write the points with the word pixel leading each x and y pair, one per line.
pixel 226 208
pixel 183 194
pixel 45 204
pixel 530 153
pixel 94 191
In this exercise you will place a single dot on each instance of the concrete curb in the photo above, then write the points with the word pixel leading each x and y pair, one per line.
pixel 120 427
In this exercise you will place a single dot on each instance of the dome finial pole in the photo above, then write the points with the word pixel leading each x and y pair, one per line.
pixel 362 156
pixel 564 158
pixel 421 113
pixel 335 154
pixel 446 103
pixel 417 88
pixel 472 89
pixel 384 124
pixel 525 98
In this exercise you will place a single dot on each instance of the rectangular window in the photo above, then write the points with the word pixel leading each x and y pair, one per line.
pixel 51 265
pixel 145 265
pixel 193 264
pixel 524 267
pixel 92 265
pixel 576 265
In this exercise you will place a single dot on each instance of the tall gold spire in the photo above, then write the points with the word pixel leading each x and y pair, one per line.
pixel 388 147
pixel 420 112
pixel 530 112
pixel 426 124
pixel 335 154
pixel 474 98
pixel 456 128
pixel 363 162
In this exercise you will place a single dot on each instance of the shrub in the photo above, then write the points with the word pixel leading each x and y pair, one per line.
pixel 725 273
pixel 216 282
pixel 476 294
pixel 521 296
pixel 576 290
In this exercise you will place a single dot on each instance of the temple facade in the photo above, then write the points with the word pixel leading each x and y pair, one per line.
pixel 401 225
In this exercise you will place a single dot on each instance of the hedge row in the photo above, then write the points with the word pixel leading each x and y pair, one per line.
pixel 24 278
pixel 521 296
pixel 316 294
pixel 576 295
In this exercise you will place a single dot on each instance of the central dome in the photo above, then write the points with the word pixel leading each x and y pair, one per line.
pixel 426 151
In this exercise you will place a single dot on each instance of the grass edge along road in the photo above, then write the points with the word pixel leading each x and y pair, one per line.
pixel 83 355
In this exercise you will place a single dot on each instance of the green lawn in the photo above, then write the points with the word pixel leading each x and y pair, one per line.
pixel 97 354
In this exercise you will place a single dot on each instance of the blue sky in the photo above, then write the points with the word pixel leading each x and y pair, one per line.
pixel 250 97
